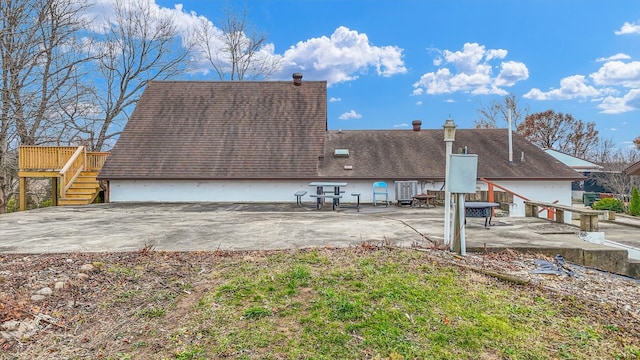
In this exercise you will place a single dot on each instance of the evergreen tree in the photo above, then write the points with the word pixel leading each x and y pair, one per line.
pixel 634 205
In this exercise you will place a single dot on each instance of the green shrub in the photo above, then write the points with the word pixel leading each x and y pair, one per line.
pixel 634 204
pixel 610 204
pixel 12 205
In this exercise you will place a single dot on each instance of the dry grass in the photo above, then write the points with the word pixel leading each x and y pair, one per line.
pixel 362 302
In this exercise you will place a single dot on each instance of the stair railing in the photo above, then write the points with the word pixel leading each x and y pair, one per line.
pixel 491 185
pixel 72 169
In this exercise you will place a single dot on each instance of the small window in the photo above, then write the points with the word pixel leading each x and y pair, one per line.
pixel 341 153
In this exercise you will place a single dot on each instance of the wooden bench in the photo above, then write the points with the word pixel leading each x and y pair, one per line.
pixel 588 217
pixel 299 196
pixel 321 197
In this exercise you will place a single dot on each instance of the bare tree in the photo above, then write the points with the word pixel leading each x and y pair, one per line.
pixel 614 161
pixel 490 115
pixel 40 61
pixel 582 140
pixel 562 132
pixel 236 50
pixel 636 142
pixel 138 46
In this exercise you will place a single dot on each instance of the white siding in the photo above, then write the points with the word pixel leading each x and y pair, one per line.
pixel 547 191
pixel 283 190
pixel 236 191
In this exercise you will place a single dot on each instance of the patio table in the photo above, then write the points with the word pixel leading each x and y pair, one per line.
pixel 320 194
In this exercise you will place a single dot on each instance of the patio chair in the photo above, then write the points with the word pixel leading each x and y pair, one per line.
pixel 380 188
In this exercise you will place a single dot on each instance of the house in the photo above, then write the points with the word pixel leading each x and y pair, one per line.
pixel 263 141
pixel 583 167
pixel 580 165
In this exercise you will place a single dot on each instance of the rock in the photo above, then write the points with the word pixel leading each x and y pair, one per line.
pixel 82 276
pixel 59 285
pixel 37 297
pixel 87 268
pixel 10 325
pixel 44 291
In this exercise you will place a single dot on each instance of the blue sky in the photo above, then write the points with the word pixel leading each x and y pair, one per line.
pixel 390 62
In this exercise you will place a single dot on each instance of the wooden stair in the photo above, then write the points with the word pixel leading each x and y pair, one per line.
pixel 83 190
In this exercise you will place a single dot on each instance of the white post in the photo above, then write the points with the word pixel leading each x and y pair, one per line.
pixel 449 137
pixel 510 138
pixel 463 245
pixel 447 196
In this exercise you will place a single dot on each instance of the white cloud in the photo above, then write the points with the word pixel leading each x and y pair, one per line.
pixel 511 72
pixel 613 78
pixel 418 103
pixel 572 87
pixel 618 73
pixel 628 28
pixel 350 115
pixel 101 12
pixel 618 56
pixel 400 126
pixel 617 105
pixel 341 57
pixel 470 71
pixel 334 99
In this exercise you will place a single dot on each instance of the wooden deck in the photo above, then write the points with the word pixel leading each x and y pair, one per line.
pixel 72 170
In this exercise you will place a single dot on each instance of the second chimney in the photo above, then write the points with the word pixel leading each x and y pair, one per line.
pixel 416 125
pixel 297 79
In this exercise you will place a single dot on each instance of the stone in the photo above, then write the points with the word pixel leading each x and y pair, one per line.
pixel 37 297
pixel 10 325
pixel 44 291
pixel 82 276
pixel 59 285
pixel 87 268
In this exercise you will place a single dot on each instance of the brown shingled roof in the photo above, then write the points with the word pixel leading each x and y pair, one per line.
pixel 275 130
pixel 633 169
pixel 222 130
pixel 405 154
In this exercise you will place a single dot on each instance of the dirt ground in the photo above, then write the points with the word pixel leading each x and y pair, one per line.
pixel 82 305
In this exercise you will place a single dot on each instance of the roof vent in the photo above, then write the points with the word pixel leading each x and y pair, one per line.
pixel 341 153
pixel 416 125
pixel 348 167
pixel 297 79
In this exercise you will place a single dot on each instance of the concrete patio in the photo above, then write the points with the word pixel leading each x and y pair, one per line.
pixel 224 226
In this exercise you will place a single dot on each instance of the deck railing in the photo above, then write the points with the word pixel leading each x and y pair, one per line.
pixel 44 158
pixel 54 158
pixel 67 161
pixel 95 160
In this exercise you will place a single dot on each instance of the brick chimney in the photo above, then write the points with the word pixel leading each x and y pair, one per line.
pixel 297 79
pixel 416 125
